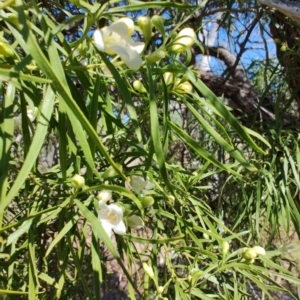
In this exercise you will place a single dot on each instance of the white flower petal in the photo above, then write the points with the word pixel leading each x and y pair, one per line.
pixel 102 205
pixel 135 222
pixel 139 47
pixel 107 226
pixel 111 218
pixel 98 38
pixel 121 50
pixel 128 185
pixel 124 27
pixel 120 228
pixel 149 185
pixel 138 184
pixel 115 40
pixel 129 55
pixel 116 209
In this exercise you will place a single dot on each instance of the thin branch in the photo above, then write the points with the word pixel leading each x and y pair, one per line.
pixel 243 45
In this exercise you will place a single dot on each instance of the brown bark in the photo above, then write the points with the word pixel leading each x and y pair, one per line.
pixel 238 90
pixel 287 35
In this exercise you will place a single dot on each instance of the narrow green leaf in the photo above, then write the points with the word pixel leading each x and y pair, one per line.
pixel 227 147
pixel 155 130
pixel 126 95
pixel 202 152
pixel 45 112
pixel 219 108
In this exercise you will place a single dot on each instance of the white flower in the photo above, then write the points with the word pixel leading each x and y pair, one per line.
pixel 137 184
pixel 111 218
pixel 115 39
pixel 104 195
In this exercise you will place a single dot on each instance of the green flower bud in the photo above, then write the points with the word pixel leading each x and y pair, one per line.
pixel 139 87
pixel 6 49
pixel 284 47
pixel 225 248
pixel 158 22
pixel 185 39
pixel 260 251
pixel 278 41
pixel 146 26
pixel 78 181
pixel 206 236
pixel 111 172
pixel 104 195
pixel 169 78
pixel 148 270
pixel 249 254
pixel 160 290
pixel 156 56
pixel 183 88
pixel 171 199
pixel 146 201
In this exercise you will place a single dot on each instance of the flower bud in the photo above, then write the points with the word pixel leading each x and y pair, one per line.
pixel 111 172
pixel 31 113
pixel 6 49
pixel 171 199
pixel 284 47
pixel 249 254
pixel 183 88
pixel 260 251
pixel 138 86
pixel 148 269
pixel 206 236
pixel 135 222
pixel 146 201
pixel 78 181
pixel 185 39
pixel 168 78
pixel 158 22
pixel 146 26
pixel 225 248
pixel 160 290
pixel 104 195
pixel 156 56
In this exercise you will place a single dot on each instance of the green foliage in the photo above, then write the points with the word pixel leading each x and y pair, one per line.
pixel 236 190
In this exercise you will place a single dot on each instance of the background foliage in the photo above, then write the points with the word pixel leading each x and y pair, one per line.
pixel 224 156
